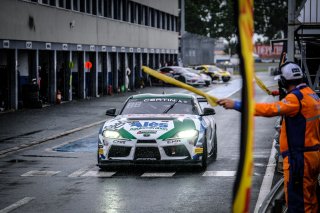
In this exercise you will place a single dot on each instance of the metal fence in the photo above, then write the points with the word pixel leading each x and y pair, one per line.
pixel 196 49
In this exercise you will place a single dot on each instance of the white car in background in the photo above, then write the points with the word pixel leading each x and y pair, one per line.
pixel 183 75
pixel 207 79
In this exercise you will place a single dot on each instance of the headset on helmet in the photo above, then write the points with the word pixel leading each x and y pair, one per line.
pixel 282 81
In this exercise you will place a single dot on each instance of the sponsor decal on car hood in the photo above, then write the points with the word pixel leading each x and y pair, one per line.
pixel 155 126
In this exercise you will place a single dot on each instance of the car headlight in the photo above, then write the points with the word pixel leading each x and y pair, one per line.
pixel 190 133
pixel 111 134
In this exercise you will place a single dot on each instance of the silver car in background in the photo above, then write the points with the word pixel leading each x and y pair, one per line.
pixel 183 74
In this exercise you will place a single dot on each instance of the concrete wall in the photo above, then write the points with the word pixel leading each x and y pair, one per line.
pixel 168 6
pixel 52 24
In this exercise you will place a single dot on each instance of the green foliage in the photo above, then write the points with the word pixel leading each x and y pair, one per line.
pixel 215 18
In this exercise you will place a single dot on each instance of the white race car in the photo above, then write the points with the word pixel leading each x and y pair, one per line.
pixel 158 128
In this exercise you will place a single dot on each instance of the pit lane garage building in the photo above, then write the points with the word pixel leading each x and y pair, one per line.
pixel 57 41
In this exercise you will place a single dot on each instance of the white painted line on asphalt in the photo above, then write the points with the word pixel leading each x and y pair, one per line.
pixel 267 179
pixel 219 173
pixel 98 174
pixel 78 172
pixel 158 174
pixel 36 173
pixel 17 204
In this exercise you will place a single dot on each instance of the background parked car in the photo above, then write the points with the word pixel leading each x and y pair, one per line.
pixel 215 72
pixel 183 75
pixel 207 79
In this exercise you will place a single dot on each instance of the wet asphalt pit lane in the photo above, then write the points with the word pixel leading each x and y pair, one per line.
pixel 87 144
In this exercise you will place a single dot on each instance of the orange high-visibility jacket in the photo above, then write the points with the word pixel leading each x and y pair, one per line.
pixel 290 106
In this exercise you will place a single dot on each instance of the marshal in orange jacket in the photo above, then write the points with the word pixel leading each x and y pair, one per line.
pixel 299 145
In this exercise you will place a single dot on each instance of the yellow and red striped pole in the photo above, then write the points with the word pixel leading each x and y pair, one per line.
pixel 242 185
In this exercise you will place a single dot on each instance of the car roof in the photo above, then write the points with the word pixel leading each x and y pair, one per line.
pixel 173 95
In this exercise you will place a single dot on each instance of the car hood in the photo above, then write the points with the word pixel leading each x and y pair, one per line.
pixel 152 126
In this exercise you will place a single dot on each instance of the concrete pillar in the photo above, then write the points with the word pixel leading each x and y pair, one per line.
pixel 182 18
pixel 70 77
pixel 291 28
pixel 53 78
pixel 116 73
pixel 133 74
pixel 37 65
pixel 13 69
pixel 82 76
pixel 96 74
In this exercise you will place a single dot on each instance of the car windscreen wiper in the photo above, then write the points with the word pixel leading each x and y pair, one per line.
pixel 171 106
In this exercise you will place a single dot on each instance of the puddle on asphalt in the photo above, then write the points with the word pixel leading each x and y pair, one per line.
pixel 88 144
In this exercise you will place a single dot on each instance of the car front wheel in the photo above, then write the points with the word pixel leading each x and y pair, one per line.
pixel 204 162
pixel 225 78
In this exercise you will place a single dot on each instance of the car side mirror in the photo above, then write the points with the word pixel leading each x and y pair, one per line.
pixel 208 111
pixel 111 112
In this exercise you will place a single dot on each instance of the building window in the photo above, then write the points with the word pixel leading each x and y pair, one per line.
pixel 139 13
pixel 116 9
pixel 100 7
pixel 61 4
pixel 45 1
pixel 107 5
pixel 163 16
pixel 75 5
pixel 34 0
pixel 158 19
pixel 88 6
pixel 68 5
pixel 146 15
pixel 94 7
pixel 168 22
pixel 125 10
pixel 152 17
pixel 172 23
pixel 82 6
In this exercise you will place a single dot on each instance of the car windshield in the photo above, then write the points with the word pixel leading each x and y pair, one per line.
pixel 192 70
pixel 179 69
pixel 214 69
pixel 159 106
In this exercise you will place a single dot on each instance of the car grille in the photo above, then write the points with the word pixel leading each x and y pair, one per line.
pixel 146 141
pixel 176 151
pixel 150 153
pixel 119 151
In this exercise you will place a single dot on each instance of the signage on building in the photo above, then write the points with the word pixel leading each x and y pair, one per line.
pixel 65 46
pixel 131 49
pixel 145 50
pixel 123 49
pixel 79 47
pixel 92 48
pixel 103 48
pixel 48 46
pixel 29 45
pixel 139 50
pixel 6 44
pixel 265 51
pixel 113 49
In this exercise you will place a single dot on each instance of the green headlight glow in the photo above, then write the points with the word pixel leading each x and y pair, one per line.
pixel 111 134
pixel 190 133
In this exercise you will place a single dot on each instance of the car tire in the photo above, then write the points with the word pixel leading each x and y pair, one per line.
pixel 207 83
pixel 215 144
pixel 225 79
pixel 182 79
pixel 204 160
